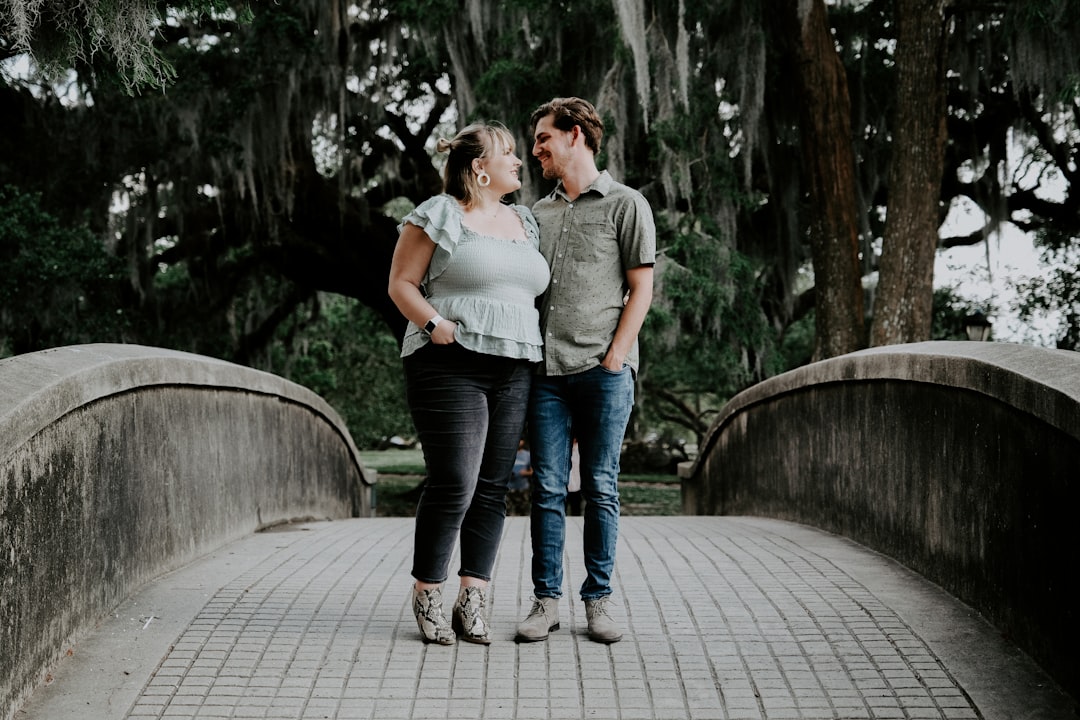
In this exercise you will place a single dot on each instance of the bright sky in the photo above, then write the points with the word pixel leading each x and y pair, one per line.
pixel 982 273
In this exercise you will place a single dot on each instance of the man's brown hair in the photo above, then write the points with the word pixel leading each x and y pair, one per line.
pixel 571 111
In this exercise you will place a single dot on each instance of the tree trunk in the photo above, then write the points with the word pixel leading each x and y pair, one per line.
pixel 903 307
pixel 829 175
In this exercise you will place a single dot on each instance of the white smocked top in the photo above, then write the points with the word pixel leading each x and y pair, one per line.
pixel 487 285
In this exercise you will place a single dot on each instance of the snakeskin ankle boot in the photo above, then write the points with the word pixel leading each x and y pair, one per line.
pixel 469 621
pixel 427 606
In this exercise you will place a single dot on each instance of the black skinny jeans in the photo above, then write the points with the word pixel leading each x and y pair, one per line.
pixel 469 412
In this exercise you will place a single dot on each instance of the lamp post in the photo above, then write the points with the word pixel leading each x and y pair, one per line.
pixel 978 326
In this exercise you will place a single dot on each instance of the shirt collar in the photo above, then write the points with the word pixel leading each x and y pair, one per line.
pixel 601 185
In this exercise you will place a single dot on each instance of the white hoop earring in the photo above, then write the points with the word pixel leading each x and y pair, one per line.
pixel 483 179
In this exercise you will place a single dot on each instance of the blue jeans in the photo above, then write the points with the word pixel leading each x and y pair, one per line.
pixel 469 413
pixel 594 407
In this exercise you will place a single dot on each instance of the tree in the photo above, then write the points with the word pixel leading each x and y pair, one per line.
pixel 273 167
pixel 63 33
pixel 828 163
pixel 701 334
pixel 340 349
pixel 903 304
pixel 58 285
pixel 1056 293
pixel 230 223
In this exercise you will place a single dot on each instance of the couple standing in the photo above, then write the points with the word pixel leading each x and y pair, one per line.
pixel 514 313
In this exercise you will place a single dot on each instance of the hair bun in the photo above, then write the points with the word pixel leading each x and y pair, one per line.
pixel 442 145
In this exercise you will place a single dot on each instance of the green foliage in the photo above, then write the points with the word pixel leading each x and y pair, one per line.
pixel 1054 293
pixel 716 293
pixel 650 498
pixel 950 314
pixel 797 343
pixel 58 285
pixel 396 461
pixel 505 77
pixel 63 33
pixel 427 13
pixel 706 337
pixel 395 495
pixel 345 353
pixel 216 167
pixel 401 471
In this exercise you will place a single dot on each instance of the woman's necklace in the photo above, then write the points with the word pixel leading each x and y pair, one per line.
pixel 483 208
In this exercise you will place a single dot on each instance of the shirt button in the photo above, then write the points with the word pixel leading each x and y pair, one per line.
pixel 566 229
pixel 552 307
pixel 570 205
pixel 554 282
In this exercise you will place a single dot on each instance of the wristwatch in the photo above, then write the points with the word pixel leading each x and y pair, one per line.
pixel 430 325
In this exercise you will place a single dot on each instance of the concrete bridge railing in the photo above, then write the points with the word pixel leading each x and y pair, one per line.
pixel 961 460
pixel 119 463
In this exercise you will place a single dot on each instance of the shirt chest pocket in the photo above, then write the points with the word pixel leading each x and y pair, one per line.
pixel 595 243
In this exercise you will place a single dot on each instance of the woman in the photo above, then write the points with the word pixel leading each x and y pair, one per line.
pixel 466 273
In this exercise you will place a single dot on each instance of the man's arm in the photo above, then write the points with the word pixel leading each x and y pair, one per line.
pixel 640 281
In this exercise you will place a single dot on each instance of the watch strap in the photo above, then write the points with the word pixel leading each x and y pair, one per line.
pixel 430 325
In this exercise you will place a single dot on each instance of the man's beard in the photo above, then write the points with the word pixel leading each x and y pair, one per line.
pixel 553 170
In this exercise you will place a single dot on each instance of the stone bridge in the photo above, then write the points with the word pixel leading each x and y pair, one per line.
pixel 888 534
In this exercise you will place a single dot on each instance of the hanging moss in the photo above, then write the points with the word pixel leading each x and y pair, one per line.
pixel 1043 51
pixel 60 33
pixel 631 14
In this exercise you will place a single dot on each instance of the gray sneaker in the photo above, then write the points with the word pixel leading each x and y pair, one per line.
pixel 601 627
pixel 542 619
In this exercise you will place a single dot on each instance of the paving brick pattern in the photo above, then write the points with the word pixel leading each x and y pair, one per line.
pixel 724 620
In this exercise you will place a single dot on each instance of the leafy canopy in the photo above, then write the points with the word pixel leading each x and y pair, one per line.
pixel 60 34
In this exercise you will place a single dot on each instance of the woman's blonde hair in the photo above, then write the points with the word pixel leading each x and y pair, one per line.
pixel 479 140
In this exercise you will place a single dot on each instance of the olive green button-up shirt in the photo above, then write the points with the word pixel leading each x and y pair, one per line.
pixel 589 244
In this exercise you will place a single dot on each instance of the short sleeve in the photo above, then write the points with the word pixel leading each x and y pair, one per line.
pixel 532 229
pixel 440 217
pixel 637 232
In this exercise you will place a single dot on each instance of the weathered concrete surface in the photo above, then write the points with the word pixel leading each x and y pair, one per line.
pixel 119 463
pixel 725 618
pixel 958 459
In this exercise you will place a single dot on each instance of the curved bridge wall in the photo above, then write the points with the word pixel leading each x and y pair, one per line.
pixel 958 459
pixel 119 463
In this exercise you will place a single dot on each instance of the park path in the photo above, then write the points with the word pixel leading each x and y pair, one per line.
pixel 725 617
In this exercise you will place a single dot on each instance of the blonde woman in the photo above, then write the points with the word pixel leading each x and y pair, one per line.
pixel 466 273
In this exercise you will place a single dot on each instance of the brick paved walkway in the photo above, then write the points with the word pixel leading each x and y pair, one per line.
pixel 727 618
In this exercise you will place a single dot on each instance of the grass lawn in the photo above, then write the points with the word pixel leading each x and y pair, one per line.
pixel 400 471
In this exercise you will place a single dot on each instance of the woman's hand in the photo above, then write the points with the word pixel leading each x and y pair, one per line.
pixel 444 332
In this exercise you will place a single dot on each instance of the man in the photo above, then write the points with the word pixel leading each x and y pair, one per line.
pixel 599 238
